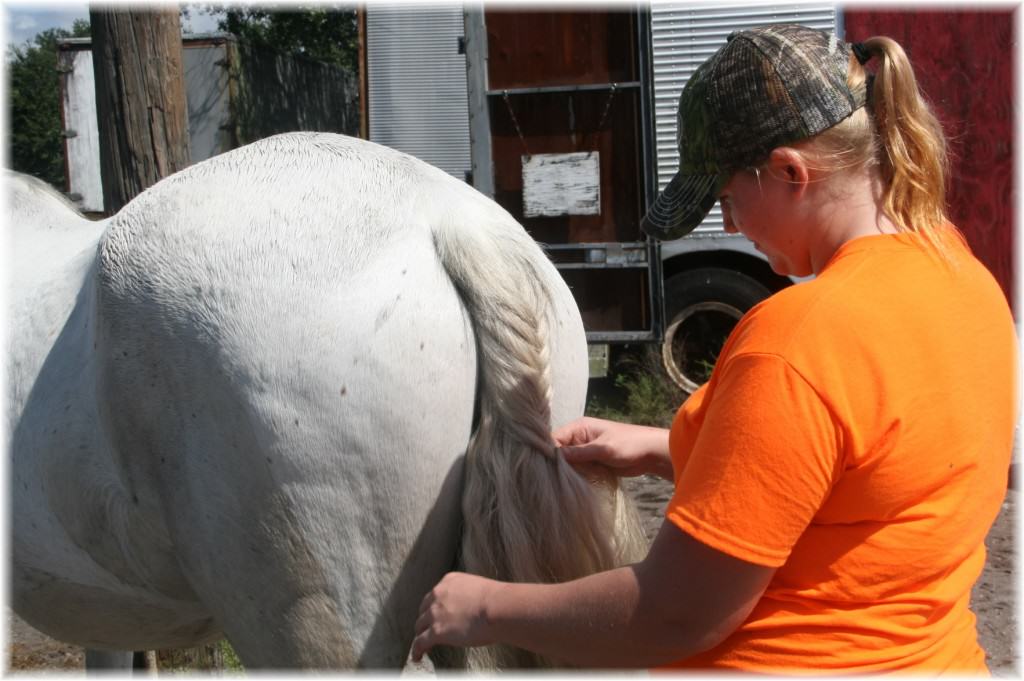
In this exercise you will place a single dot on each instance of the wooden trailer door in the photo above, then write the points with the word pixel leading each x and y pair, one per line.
pixel 557 102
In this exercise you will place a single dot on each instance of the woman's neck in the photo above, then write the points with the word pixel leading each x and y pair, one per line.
pixel 854 208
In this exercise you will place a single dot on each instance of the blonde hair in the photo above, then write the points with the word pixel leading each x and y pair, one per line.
pixel 897 133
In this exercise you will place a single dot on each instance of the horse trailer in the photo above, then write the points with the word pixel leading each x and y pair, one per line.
pixel 568 120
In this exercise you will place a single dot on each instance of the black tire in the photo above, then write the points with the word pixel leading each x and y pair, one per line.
pixel 701 308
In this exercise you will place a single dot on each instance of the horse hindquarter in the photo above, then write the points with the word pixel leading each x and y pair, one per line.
pixel 303 395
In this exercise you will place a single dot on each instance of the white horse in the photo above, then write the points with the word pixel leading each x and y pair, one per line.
pixel 271 396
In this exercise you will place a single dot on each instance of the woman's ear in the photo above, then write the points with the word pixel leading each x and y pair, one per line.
pixel 790 165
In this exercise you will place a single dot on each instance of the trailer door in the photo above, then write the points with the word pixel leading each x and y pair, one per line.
pixel 416 76
pixel 558 101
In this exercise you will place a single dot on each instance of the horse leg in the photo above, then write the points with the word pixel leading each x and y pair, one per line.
pixel 106 660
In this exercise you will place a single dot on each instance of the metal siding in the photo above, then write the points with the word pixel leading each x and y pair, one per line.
pixel 83 149
pixel 209 108
pixel 683 37
pixel 417 83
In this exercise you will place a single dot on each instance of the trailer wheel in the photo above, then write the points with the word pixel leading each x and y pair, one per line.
pixel 702 306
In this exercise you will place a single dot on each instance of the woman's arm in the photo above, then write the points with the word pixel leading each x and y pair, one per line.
pixel 627 449
pixel 683 598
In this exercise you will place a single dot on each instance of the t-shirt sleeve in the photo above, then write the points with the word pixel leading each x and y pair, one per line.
pixel 763 461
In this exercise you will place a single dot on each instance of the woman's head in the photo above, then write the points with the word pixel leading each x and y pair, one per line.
pixel 802 89
pixel 770 206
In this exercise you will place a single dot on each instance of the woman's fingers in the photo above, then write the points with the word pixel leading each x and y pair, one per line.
pixel 422 638
pixel 593 453
pixel 451 614
pixel 425 636
pixel 579 432
pixel 584 453
pixel 569 434
pixel 421 645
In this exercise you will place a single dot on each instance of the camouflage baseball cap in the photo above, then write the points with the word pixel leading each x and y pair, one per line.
pixel 765 88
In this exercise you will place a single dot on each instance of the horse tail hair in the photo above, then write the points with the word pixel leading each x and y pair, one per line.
pixel 528 515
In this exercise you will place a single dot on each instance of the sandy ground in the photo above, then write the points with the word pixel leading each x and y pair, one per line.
pixel 994 598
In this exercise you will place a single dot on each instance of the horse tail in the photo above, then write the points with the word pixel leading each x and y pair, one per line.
pixel 528 515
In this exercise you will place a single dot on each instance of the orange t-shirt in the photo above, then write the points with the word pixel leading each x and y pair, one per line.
pixel 856 433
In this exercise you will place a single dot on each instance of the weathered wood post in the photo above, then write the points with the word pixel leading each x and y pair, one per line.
pixel 140 98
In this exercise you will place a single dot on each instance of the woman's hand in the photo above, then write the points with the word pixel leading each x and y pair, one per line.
pixel 629 450
pixel 453 613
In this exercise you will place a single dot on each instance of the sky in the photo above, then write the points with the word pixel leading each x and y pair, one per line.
pixel 23 20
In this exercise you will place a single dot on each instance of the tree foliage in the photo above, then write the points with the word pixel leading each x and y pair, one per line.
pixel 326 33
pixel 37 147
pixel 323 32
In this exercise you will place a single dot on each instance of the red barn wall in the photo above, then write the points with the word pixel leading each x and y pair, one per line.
pixel 964 64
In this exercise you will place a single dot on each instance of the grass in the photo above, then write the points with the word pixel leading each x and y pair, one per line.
pixel 216 657
pixel 638 391
pixel 231 661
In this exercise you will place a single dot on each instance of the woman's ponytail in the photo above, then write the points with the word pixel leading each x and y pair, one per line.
pixel 912 155
pixel 896 134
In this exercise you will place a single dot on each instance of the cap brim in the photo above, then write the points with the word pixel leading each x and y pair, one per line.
pixel 682 206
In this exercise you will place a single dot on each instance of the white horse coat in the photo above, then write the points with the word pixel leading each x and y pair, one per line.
pixel 241 405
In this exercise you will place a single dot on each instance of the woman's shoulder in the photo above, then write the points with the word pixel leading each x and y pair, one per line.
pixel 823 314
pixel 866 277
pixel 875 294
pixel 786 318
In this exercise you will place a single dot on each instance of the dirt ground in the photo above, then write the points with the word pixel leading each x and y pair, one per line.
pixel 993 601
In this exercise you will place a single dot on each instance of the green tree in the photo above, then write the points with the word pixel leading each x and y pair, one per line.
pixel 34 98
pixel 327 33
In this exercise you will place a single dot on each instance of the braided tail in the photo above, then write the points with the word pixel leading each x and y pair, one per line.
pixel 528 515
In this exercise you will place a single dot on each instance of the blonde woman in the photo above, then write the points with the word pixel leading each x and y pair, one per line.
pixel 836 477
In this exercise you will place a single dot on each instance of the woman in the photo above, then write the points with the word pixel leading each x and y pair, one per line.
pixel 836 477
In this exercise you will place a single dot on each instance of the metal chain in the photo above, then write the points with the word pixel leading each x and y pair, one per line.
pixel 607 106
pixel 516 123
pixel 522 139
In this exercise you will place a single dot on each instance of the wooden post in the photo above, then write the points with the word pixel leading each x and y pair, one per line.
pixel 140 98
pixel 364 105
